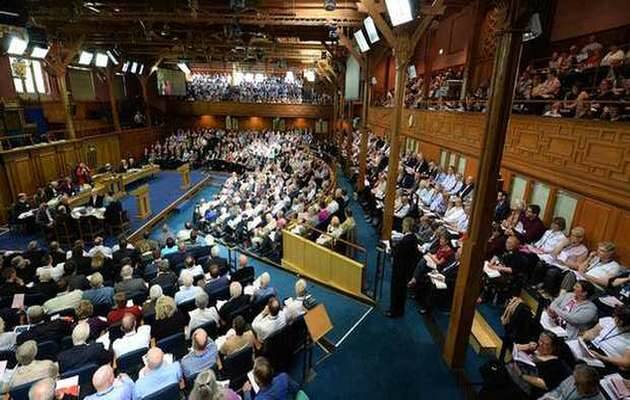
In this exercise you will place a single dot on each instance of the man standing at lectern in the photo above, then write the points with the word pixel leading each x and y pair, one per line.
pixel 405 258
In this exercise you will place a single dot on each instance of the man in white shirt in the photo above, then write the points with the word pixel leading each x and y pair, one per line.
pixel 55 272
pixel 100 247
pixel 552 240
pixel 187 291
pixel 132 339
pixel 454 213
pixel 270 320
pixel 184 234
pixel 64 300
pixel 294 307
pixel 190 267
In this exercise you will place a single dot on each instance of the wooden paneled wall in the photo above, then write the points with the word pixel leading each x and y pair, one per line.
pixel 23 170
pixel 200 108
pixel 589 159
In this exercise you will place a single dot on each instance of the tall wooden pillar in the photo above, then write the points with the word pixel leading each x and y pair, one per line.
pixel 112 100
pixel 469 275
pixel 144 82
pixel 428 66
pixel 471 48
pixel 65 100
pixel 402 53
pixel 363 147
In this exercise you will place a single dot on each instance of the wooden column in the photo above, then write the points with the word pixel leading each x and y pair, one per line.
pixel 65 100
pixel 471 47
pixel 428 66
pixel 402 55
pixel 112 100
pixel 469 275
pixel 144 82
pixel 363 147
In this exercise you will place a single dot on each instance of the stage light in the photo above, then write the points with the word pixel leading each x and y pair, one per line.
pixel 309 74
pixel 17 46
pixel 39 52
pixel 134 67
pixel 101 60
pixel 125 66
pixel 141 69
pixel 86 58
pixel 289 77
pixel 441 51
pixel 534 28
pixel 399 11
pixel 370 28
pixel 112 58
pixel 184 68
pixel 360 38
pixel 411 71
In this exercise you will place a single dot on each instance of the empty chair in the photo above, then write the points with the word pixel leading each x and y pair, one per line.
pixel 21 392
pixel 236 366
pixel 47 350
pixel 85 378
pixel 211 329
pixel 9 357
pixel 187 306
pixel 169 392
pixel 131 362
pixel 174 344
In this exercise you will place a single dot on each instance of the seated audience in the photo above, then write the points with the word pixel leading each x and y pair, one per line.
pixel 279 387
pixel 81 352
pixel 168 319
pixel 206 388
pixel 270 320
pixel 202 356
pixel 156 375
pixel 133 339
pixel 108 386
pixel 28 368
pixel 573 310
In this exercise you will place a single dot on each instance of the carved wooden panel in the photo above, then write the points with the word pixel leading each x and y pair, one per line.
pixel 48 165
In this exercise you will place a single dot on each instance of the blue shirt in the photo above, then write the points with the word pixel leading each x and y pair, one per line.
pixel 193 363
pixel 168 250
pixel 157 379
pixel 120 390
pixel 264 292
pixel 186 293
pixel 282 388
pixel 102 295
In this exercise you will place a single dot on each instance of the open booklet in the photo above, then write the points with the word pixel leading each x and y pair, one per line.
pixel 581 352
pixel 549 324
pixel 438 280
pixel 491 273
pixel 615 387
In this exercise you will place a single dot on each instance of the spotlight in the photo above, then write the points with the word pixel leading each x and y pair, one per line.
pixel 17 46
pixel 330 5
pixel 370 28
pixel 360 38
pixel 534 28
pixel 112 58
pixel 125 66
pixel 141 69
pixel 399 11
pixel 134 67
pixel 39 52
pixel 182 66
pixel 86 58
pixel 101 60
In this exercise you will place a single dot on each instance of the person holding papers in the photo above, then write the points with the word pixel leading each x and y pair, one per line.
pixel 537 367
pixel 610 338
pixel 573 310
pixel 582 385
pixel 437 260
pixel 505 274
pixel 599 268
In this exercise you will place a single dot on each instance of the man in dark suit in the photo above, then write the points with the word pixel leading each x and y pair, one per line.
pixel 217 282
pixel 82 353
pixel 467 189
pixel 82 262
pixel 133 287
pixel 220 261
pixel 95 200
pixel 405 258
pixel 42 330
pixel 237 301
pixel 502 209
pixel 165 277
pixel 244 274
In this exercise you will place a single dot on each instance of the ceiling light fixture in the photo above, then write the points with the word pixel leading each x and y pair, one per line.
pixel 17 46
pixel 39 52
pixel 360 38
pixel 370 28
pixel 399 11
pixel 86 58
pixel 112 58
pixel 134 67
pixel 101 60
pixel 125 66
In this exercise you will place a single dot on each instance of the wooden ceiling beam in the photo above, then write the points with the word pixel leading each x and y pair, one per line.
pixel 375 12
pixel 344 40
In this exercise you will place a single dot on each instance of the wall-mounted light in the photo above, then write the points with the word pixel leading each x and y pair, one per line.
pixel 86 58
pixel 17 46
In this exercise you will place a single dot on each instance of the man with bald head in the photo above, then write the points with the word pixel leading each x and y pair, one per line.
pixel 156 375
pixel 109 387
pixel 42 390
pixel 202 356
pixel 132 339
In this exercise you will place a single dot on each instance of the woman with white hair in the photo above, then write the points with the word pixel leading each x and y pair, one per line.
pixel 206 388
pixel 294 306
pixel 148 308
pixel 202 314
pixel 263 290
pixel 29 369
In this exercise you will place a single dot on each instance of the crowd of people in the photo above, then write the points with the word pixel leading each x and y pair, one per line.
pixel 100 306
pixel 584 294
pixel 250 88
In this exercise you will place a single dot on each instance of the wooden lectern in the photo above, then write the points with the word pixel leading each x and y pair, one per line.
pixel 184 170
pixel 142 197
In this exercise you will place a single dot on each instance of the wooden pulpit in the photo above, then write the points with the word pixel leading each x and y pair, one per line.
pixel 142 199
pixel 184 170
